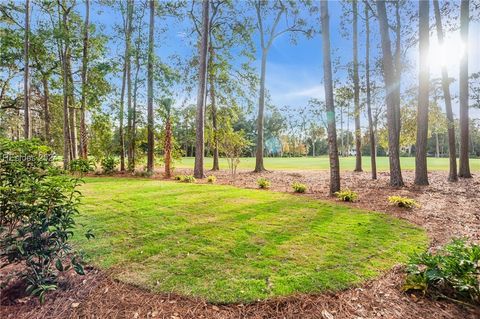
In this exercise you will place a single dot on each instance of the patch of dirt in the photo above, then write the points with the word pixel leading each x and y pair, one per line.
pixel 446 210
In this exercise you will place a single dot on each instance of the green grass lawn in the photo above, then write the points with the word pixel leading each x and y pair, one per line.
pixel 321 163
pixel 227 244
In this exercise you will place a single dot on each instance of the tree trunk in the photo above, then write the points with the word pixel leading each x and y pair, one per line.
pixel 330 107
pixel 26 80
pixel 464 170
pixel 373 155
pixel 129 85
pixel 46 109
pixel 200 116
pixel 398 65
pixel 134 117
pixel 259 167
pixel 356 89
pixel 73 109
pixel 121 115
pixel 168 148
pixel 452 176
pixel 150 91
pixel 83 125
pixel 421 174
pixel 66 126
pixel 392 98
pixel 214 108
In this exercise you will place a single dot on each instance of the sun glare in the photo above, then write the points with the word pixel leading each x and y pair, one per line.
pixel 449 53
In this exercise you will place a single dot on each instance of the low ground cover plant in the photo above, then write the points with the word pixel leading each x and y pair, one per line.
pixel 347 195
pixel 108 164
pixel 187 179
pixel 37 204
pixel 211 179
pixel 452 272
pixel 263 183
pixel 404 202
pixel 299 187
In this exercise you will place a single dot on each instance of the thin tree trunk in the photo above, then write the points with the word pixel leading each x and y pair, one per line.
pixel 398 65
pixel 26 80
pixel 356 89
pixel 259 167
pixel 421 174
pixel 129 85
pixel 391 98
pixel 328 82
pixel 373 155
pixel 134 117
pixel 46 109
pixel 150 136
pixel 213 108
pixel 73 109
pixel 452 176
pixel 66 126
pixel 168 148
pixel 437 146
pixel 121 116
pixel 83 125
pixel 200 116
pixel 464 170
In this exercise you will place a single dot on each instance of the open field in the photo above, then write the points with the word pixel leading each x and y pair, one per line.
pixel 227 244
pixel 321 163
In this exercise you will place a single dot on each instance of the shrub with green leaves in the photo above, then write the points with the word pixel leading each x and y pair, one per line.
pixel 263 183
pixel 299 187
pixel 211 179
pixel 188 179
pixel 404 202
pixel 347 195
pixel 81 166
pixel 453 271
pixel 37 204
pixel 108 164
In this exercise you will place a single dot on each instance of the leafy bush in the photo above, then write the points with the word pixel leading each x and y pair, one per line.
pixel 108 165
pixel 299 187
pixel 347 195
pixel 37 205
pixel 188 179
pixel 452 271
pixel 402 201
pixel 263 183
pixel 81 166
pixel 211 179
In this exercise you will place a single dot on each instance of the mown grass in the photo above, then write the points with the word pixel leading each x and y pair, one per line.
pixel 321 163
pixel 227 244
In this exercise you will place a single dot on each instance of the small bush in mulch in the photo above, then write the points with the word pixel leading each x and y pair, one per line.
pixel 187 179
pixel 347 195
pixel 81 166
pixel 299 187
pixel 37 204
pixel 263 183
pixel 108 165
pixel 211 179
pixel 451 272
pixel 403 202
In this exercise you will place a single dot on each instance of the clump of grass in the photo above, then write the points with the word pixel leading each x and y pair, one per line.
pixel 347 195
pixel 188 179
pixel 299 187
pixel 211 179
pixel 404 202
pixel 263 183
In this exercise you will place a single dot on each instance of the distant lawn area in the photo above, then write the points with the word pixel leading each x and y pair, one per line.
pixel 227 244
pixel 321 163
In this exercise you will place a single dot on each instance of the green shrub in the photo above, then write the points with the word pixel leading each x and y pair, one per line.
pixel 263 183
pixel 37 204
pixel 452 271
pixel 299 187
pixel 108 165
pixel 402 201
pixel 347 195
pixel 81 166
pixel 188 179
pixel 211 179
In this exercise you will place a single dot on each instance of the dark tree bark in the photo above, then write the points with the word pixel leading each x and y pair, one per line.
pixel 259 167
pixel 83 125
pixel 150 90
pixel 46 109
pixel 198 170
pixel 356 91
pixel 121 116
pixel 421 174
pixel 26 80
pixel 213 105
pixel 464 170
pixel 168 148
pixel 452 176
pixel 130 165
pixel 373 150
pixel 72 107
pixel 330 107
pixel 66 124
pixel 392 98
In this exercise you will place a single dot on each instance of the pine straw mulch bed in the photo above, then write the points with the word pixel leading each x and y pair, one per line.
pixel 447 210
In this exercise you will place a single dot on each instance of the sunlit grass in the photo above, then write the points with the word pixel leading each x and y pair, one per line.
pixel 321 163
pixel 228 245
